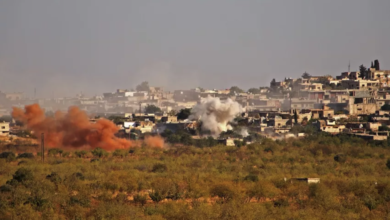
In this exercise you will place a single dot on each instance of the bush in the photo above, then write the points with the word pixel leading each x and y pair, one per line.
pixel 79 199
pixel 252 177
pixel 281 203
pixel 79 176
pixel 80 154
pixel 22 162
pixel 223 190
pixel 26 155
pixel 54 152
pixel 54 178
pixel 9 156
pixel 341 158
pixel 99 152
pixel 159 168
pixel 156 196
pixel 23 175
pixel 120 153
pixel 5 188
pixel 140 199
pixel 385 107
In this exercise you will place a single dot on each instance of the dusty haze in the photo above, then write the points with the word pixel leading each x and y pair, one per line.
pixel 93 46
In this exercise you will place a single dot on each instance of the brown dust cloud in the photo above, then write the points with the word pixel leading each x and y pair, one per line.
pixel 73 129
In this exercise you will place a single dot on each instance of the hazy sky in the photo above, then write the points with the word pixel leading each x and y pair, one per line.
pixel 63 47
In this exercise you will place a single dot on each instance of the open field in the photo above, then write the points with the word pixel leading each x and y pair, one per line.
pixel 183 182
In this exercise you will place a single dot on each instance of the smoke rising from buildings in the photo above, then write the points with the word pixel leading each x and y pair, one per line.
pixel 216 114
pixel 71 129
pixel 244 132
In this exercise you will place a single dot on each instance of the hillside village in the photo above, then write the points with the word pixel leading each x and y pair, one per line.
pixel 353 103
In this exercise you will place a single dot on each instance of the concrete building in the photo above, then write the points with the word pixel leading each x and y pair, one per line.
pixel 4 128
pixel 360 84
pixel 14 96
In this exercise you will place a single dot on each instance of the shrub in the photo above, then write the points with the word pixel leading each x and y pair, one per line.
pixel 23 175
pixel 26 155
pixel 281 203
pixel 341 158
pixel 79 176
pixel 79 199
pixel 120 153
pixel 159 168
pixel 9 156
pixel 140 199
pixel 99 152
pixel 65 154
pixel 223 190
pixel 156 196
pixel 5 188
pixel 22 162
pixel 54 152
pixel 80 154
pixel 252 177
pixel 54 178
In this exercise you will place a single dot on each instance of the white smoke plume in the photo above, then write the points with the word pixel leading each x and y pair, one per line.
pixel 244 132
pixel 216 114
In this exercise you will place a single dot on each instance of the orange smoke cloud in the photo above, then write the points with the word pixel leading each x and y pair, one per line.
pixel 154 141
pixel 70 129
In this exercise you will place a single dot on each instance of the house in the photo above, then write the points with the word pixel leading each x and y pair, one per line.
pixel 373 126
pixel 4 128
pixel 361 105
pixel 228 142
pixel 169 119
pixel 186 96
pixel 14 96
pixel 324 112
pixel 333 129
pixel 360 84
pixel 300 104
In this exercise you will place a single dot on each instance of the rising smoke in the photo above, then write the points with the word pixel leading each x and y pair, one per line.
pixel 71 129
pixel 216 114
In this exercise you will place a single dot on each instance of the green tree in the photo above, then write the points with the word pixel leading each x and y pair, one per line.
pixel 254 90
pixel 116 119
pixel 235 90
pixel 306 75
pixel 184 114
pixel 23 175
pixel 376 65
pixel 152 109
pixel 295 117
pixel 224 191
pixel 388 163
pixel 385 107
pixel 80 154
pixel 9 156
pixel 363 71
pixel 156 196
pixel 99 152
pixel 263 190
pixel 140 199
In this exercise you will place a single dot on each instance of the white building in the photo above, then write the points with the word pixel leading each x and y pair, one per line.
pixel 4 128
